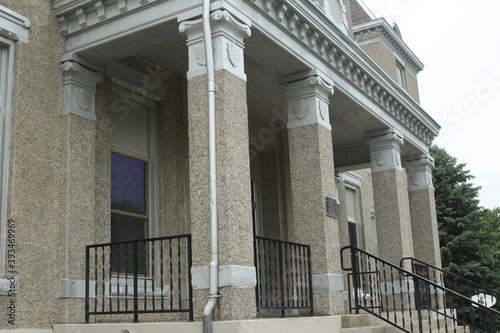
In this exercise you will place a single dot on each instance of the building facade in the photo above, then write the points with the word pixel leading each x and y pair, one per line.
pixel 104 138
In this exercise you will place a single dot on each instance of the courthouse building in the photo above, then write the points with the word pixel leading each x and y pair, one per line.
pixel 104 138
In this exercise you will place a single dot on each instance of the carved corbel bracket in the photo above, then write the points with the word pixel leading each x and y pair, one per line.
pixel 228 35
pixel 79 90
pixel 385 149
pixel 307 100
pixel 419 171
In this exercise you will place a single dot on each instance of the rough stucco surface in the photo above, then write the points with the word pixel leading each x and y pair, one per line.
pixel 312 178
pixel 173 188
pixel 37 181
pixel 234 195
pixel 425 227
pixel 393 215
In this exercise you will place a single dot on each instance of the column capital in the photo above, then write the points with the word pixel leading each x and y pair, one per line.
pixel 228 34
pixel 419 171
pixel 385 149
pixel 79 89
pixel 307 99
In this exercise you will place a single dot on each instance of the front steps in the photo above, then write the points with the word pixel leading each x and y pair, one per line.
pixel 367 323
pixel 360 323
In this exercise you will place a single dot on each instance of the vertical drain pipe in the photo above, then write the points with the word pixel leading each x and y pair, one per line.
pixel 214 238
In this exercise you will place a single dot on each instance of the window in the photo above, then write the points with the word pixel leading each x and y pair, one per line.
pixel 132 174
pixel 352 207
pixel 401 75
pixel 4 129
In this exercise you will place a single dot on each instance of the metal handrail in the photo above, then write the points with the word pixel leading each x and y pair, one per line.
pixel 397 295
pixel 478 287
pixel 284 275
pixel 140 276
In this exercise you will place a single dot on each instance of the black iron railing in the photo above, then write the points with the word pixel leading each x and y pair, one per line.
pixel 468 288
pixel 284 279
pixel 451 281
pixel 142 276
pixel 410 301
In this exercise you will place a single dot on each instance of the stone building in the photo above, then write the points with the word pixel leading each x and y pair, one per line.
pixel 104 138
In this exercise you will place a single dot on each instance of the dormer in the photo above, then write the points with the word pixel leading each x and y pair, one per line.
pixel 384 44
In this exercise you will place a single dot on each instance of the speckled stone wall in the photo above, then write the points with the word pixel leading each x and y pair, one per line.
pixel 393 215
pixel 425 227
pixel 79 228
pixel 234 194
pixel 173 160
pixel 312 177
pixel 37 183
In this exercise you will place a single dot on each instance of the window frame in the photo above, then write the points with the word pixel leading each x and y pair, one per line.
pixel 401 74
pixel 6 78
pixel 356 220
pixel 151 159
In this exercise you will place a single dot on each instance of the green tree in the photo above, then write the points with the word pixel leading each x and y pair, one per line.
pixel 490 233
pixel 465 247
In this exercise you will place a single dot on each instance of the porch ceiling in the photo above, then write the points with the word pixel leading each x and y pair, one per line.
pixel 360 104
pixel 265 63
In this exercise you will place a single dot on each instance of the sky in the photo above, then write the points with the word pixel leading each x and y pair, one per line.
pixel 459 43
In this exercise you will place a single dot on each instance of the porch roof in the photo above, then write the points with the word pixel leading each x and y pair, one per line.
pixel 288 36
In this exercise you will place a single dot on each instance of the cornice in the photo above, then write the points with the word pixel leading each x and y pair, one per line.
pixel 13 26
pixel 382 28
pixel 352 179
pixel 78 15
pixel 328 43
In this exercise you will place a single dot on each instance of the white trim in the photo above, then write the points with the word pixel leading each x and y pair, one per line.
pixel 6 85
pixel 352 179
pixel 74 288
pixel 380 26
pixel 229 276
pixel 79 90
pixel 327 282
pixel 7 286
pixel 13 26
pixel 136 81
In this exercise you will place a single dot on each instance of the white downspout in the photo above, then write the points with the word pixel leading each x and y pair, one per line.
pixel 214 238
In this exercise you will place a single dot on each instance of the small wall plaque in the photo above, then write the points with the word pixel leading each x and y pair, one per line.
pixel 331 207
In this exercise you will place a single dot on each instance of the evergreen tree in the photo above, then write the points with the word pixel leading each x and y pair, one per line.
pixel 490 232
pixel 464 247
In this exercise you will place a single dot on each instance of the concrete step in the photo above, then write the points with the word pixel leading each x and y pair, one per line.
pixel 367 323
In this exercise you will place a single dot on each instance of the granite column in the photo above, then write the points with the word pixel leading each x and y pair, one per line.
pixel 237 278
pixel 313 220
